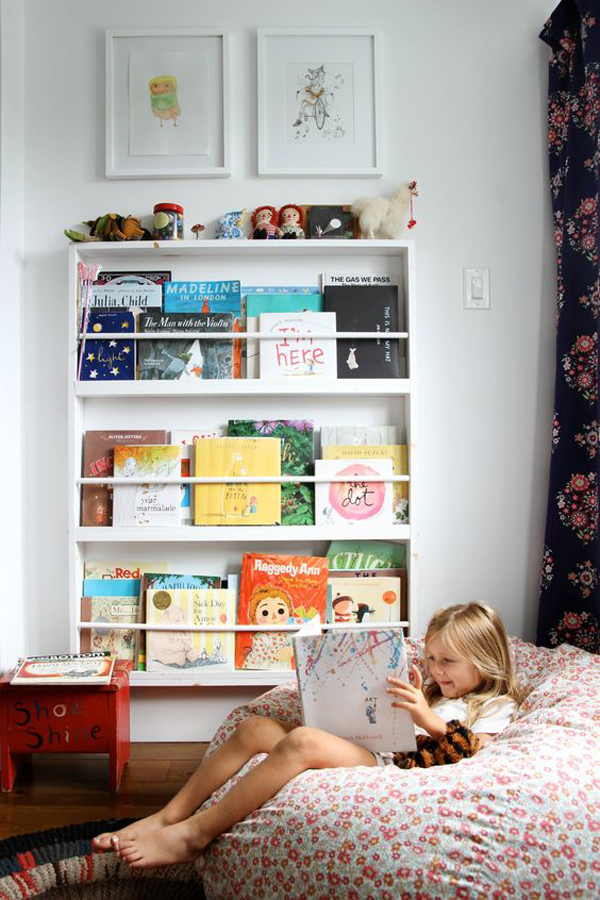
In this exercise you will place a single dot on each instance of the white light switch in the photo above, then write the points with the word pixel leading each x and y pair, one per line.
pixel 476 292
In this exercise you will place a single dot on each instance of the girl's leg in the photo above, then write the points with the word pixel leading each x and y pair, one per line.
pixel 257 734
pixel 302 749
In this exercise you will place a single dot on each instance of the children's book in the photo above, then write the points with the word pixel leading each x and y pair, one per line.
pixel 293 354
pixel 353 279
pixel 123 290
pixel 98 462
pixel 118 570
pixel 342 681
pixel 190 651
pixel 65 668
pixel 398 453
pixel 258 303
pixel 357 555
pixel 277 590
pixel 396 572
pixel 109 360
pixel 366 600
pixel 354 501
pixel 187 439
pixel 185 358
pixel 359 434
pixel 297 458
pixel 238 503
pixel 111 587
pixel 147 504
pixel 120 642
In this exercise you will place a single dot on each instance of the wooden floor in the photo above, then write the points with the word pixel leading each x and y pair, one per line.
pixel 67 788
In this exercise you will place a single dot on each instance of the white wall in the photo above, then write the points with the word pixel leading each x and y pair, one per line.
pixel 464 103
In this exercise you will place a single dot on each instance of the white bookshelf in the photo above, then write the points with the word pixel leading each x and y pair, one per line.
pixel 177 405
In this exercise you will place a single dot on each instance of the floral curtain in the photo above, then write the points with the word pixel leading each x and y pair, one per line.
pixel 570 588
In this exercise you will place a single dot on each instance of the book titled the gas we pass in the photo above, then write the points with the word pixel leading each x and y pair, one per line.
pixel 65 668
pixel 342 680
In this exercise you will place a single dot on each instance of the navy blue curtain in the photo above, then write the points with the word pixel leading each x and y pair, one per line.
pixel 570 583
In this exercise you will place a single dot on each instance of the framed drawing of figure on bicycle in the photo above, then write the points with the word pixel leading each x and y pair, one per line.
pixel 318 108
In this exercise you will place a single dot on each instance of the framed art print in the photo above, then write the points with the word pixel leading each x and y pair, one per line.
pixel 318 102
pixel 167 103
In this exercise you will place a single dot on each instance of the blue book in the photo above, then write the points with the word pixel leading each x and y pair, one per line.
pixel 202 296
pixel 111 360
pixel 111 587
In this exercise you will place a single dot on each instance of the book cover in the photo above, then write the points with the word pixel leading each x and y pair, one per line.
pixel 357 555
pixel 297 458
pixel 277 590
pixel 393 572
pixel 242 503
pixel 123 290
pixel 98 462
pixel 367 308
pixel 276 302
pixel 65 668
pixel 187 439
pixel 326 222
pixel 355 501
pixel 110 360
pixel 366 601
pixel 293 355
pixel 342 680
pixel 359 434
pixel 118 570
pixel 398 453
pixel 190 650
pixel 120 642
pixel 147 504
pixel 111 587
pixel 168 360
pixel 354 279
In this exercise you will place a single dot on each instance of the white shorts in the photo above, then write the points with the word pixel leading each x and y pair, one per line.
pixel 383 757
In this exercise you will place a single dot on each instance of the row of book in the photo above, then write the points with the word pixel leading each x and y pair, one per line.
pixel 149 302
pixel 271 590
pixel 281 447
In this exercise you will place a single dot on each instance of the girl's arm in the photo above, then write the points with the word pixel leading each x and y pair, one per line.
pixel 413 700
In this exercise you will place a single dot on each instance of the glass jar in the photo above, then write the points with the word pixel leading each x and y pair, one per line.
pixel 168 222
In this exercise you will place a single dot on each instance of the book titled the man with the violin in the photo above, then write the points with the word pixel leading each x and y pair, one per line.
pixel 65 668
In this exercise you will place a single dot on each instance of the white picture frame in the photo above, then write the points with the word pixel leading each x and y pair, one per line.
pixel 318 102
pixel 154 76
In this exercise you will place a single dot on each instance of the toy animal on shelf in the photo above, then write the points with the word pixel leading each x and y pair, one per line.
pixel 110 227
pixel 380 217
pixel 231 225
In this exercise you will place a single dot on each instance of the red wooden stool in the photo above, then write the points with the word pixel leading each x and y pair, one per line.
pixel 76 718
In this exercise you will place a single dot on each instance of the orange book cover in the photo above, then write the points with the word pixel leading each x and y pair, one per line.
pixel 277 590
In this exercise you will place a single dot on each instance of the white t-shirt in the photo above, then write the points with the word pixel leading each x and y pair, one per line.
pixel 493 717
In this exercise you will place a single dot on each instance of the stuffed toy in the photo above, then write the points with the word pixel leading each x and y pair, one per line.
pixel 231 225
pixel 380 217
pixel 291 222
pixel 458 743
pixel 110 227
pixel 265 224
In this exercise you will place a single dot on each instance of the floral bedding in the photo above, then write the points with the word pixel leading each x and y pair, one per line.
pixel 518 820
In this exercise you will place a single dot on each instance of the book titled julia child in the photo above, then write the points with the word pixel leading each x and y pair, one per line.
pixel 148 503
pixel 237 503
pixel 277 590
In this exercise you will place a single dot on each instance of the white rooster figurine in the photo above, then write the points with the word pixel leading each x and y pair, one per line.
pixel 380 217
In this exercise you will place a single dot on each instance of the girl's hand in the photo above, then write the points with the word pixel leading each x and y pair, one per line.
pixel 412 699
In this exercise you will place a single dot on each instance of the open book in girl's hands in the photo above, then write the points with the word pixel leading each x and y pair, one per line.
pixel 342 681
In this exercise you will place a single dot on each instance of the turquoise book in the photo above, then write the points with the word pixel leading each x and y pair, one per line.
pixel 111 587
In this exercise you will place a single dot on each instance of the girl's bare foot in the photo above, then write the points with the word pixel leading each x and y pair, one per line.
pixel 111 840
pixel 182 842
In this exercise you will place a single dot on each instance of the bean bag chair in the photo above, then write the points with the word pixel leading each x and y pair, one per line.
pixel 517 820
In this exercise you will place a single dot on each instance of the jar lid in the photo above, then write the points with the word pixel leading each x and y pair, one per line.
pixel 171 206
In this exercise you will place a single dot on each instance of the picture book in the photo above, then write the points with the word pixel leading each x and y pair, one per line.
pixel 147 504
pixel 120 642
pixel 342 681
pixel 65 668
pixel 366 600
pixel 109 360
pixel 111 587
pixel 257 303
pixel 297 458
pixel 238 503
pixel 190 651
pixel 398 453
pixel 326 222
pixel 359 434
pixel 186 439
pixel 368 308
pixel 123 290
pixel 293 355
pixel 357 555
pixel 277 590
pixel 355 501
pixel 399 573
pixel 98 462
pixel 118 570
pixel 168 360
pixel 355 279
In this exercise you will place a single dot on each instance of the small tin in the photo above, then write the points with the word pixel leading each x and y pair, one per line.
pixel 168 222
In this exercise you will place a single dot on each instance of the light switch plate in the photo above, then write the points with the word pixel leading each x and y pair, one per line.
pixel 476 287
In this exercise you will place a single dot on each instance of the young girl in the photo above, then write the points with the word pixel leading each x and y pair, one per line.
pixel 469 696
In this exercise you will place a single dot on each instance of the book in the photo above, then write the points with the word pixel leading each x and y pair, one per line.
pixel 342 680
pixel 111 587
pixel 98 462
pixel 355 501
pixel 277 590
pixel 118 570
pixel 354 279
pixel 65 668
pixel 147 504
pixel 168 360
pixel 120 642
pixel 108 360
pixel 359 434
pixel 361 555
pixel 293 355
pixel 297 458
pixel 139 290
pixel 241 503
pixel 326 222
pixel 398 453
pixel 367 308
pixel 190 650
pixel 375 599
pixel 187 439
pixel 275 302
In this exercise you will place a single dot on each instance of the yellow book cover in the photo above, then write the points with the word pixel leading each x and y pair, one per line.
pixel 238 503
pixel 398 453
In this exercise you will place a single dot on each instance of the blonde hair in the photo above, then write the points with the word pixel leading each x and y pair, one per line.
pixel 476 633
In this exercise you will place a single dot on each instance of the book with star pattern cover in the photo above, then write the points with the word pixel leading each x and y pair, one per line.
pixel 109 360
